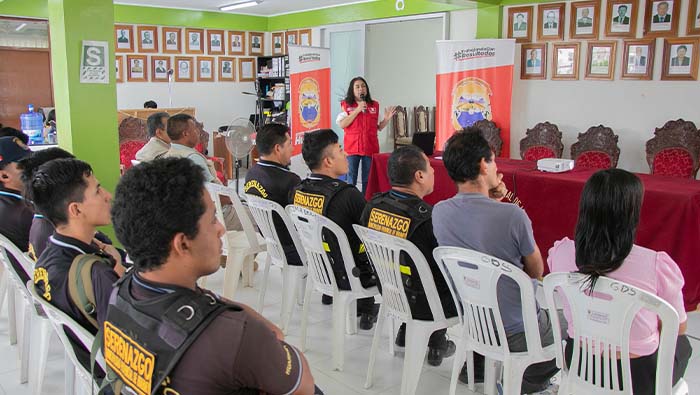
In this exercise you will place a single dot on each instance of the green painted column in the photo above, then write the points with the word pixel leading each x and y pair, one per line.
pixel 489 21
pixel 86 113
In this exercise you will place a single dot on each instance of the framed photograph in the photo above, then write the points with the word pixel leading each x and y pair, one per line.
pixel 227 69
pixel 119 68
pixel 305 37
pixel 278 43
pixel 533 61
pixel 236 43
pixel 621 18
pixel 194 41
pixel 137 68
pixel 584 20
pixel 171 40
pixel 550 25
pixel 292 37
pixel 246 69
pixel 520 21
pixel 123 38
pixel 565 61
pixel 216 42
pixel 638 59
pixel 159 68
pixel 680 59
pixel 148 38
pixel 693 27
pixel 600 62
pixel 661 18
pixel 256 44
pixel 205 69
pixel 184 71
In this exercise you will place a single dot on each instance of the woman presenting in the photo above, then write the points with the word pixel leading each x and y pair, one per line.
pixel 360 121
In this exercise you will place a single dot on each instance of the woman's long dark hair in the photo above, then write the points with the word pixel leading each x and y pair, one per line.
pixel 350 95
pixel 608 216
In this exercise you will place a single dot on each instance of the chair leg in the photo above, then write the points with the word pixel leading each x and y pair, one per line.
pixel 459 358
pixel 301 287
pixel 512 377
pixel 12 313
pixel 263 286
pixel 3 286
pixel 416 347
pixel 41 331
pixel 351 322
pixel 231 273
pixel 392 333
pixel 70 373
pixel 491 369
pixel 305 314
pixel 339 316
pixel 26 337
pixel 288 297
pixel 375 345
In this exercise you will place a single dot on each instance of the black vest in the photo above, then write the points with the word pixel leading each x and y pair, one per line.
pixel 397 217
pixel 316 195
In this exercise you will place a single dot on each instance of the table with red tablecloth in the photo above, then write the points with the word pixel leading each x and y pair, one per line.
pixel 670 219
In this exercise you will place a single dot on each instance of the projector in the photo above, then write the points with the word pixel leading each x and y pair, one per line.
pixel 554 165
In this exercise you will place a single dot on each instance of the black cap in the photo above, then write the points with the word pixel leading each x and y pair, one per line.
pixel 12 149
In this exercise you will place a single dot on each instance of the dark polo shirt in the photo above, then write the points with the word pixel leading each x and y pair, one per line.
pixel 15 221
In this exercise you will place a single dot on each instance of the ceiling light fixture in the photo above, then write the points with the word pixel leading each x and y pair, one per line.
pixel 240 4
pixel 20 27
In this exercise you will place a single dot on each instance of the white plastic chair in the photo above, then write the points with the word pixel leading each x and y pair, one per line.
pixel 473 277
pixel 36 331
pixel 384 251
pixel 263 211
pixel 240 247
pixel 603 321
pixel 309 226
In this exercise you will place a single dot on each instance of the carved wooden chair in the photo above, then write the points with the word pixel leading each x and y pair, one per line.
pixel 421 119
pixel 491 133
pixel 675 150
pixel 132 137
pixel 542 141
pixel 400 126
pixel 596 149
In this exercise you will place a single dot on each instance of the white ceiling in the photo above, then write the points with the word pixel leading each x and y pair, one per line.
pixel 267 8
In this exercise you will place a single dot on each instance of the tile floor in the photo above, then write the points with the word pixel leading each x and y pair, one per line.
pixel 350 381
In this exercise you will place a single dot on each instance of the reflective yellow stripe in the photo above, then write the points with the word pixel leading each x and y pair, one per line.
pixel 326 247
pixel 362 248
pixel 405 270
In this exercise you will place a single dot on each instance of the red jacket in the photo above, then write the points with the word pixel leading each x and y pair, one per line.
pixel 361 134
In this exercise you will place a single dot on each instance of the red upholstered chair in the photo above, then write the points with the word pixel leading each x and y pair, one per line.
pixel 491 133
pixel 596 149
pixel 128 150
pixel 675 150
pixel 132 128
pixel 542 141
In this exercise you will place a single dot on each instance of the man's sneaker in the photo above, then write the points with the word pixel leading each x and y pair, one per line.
pixel 437 354
pixel 326 299
pixel 367 321
pixel 401 336
pixel 464 376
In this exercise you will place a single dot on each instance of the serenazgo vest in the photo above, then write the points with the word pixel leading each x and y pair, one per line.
pixel 361 134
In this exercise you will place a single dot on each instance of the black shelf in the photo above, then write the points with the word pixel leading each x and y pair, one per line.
pixel 279 67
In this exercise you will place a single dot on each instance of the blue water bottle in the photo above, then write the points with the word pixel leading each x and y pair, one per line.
pixel 33 125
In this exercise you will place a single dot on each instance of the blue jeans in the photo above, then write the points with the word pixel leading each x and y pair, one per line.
pixel 354 163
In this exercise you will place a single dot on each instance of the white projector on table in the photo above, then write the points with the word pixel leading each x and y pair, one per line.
pixel 554 165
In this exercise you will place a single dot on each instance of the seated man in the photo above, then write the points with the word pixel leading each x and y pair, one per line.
pixel 159 142
pixel 341 203
pixel 477 220
pixel 412 178
pixel 15 212
pixel 226 347
pixel 271 178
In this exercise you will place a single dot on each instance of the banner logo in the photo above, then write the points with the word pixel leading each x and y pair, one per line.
pixel 471 102
pixel 309 57
pixel 472 53
pixel 309 103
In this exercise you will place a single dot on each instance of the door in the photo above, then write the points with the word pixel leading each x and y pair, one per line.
pixel 25 78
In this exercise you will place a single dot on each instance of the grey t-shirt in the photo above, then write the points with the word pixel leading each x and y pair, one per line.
pixel 473 221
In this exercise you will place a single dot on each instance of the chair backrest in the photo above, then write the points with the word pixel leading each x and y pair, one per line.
pixel 132 128
pixel 601 326
pixel 425 141
pixel 473 277
pixel 128 150
pixel 491 133
pixel 400 123
pixel 421 118
pixel 385 253
pixel 596 148
pixel 216 191
pixel 674 150
pixel 542 141
pixel 9 249
pixel 263 213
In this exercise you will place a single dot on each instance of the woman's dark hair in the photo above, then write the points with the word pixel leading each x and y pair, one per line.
pixel 269 136
pixel 31 164
pixel 350 95
pixel 608 216
pixel 404 162
pixel 313 150
pixel 463 154
pixel 153 202
pixel 56 184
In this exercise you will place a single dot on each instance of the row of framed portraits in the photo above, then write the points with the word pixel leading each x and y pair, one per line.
pixel 660 19
pixel 146 39
pixel 138 68
pixel 680 60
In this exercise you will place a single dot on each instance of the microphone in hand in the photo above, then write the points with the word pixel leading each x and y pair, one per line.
pixel 362 97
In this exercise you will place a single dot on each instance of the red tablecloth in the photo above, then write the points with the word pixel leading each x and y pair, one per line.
pixel 670 218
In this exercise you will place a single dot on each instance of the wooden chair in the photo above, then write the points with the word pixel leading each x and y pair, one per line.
pixel 675 150
pixel 132 137
pixel 491 133
pixel 596 149
pixel 421 119
pixel 542 141
pixel 400 126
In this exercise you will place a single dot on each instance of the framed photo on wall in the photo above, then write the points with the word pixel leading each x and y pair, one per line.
pixel 600 62
pixel 137 68
pixel 171 40
pixel 184 71
pixel 292 37
pixel 123 38
pixel 693 26
pixel 638 59
pixel 205 69
pixel 256 44
pixel 565 61
pixel 533 61
pixel 550 25
pixel 680 59
pixel 621 18
pixel 119 68
pixel 584 19
pixel 278 43
pixel 216 42
pixel 236 43
pixel 520 21
pixel 305 37
pixel 147 38
pixel 159 68
pixel 194 41
pixel 246 69
pixel 227 69
pixel 661 18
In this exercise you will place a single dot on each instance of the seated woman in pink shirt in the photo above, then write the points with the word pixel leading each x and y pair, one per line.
pixel 604 246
